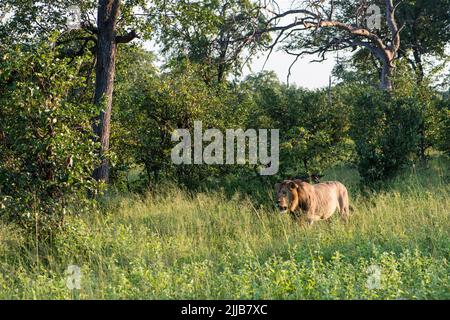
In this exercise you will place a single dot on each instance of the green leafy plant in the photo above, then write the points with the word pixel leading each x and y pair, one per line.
pixel 46 147
pixel 385 129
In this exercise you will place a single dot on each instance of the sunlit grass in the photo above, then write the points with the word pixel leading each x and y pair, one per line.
pixel 208 245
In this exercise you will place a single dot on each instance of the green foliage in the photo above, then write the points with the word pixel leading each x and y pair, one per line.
pixel 426 26
pixel 385 130
pixel 213 33
pixel 441 134
pixel 37 20
pixel 134 70
pixel 46 156
pixel 314 133
pixel 163 103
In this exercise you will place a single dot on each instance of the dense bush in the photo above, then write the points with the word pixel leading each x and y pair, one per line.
pixel 46 148
pixel 441 122
pixel 385 129
pixel 313 124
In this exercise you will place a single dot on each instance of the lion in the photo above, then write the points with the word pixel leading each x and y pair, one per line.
pixel 317 202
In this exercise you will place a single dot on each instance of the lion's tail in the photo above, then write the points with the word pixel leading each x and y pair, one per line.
pixel 351 208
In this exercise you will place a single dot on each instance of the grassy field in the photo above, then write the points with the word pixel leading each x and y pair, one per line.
pixel 210 245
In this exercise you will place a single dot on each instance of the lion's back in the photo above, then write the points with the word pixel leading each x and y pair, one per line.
pixel 331 193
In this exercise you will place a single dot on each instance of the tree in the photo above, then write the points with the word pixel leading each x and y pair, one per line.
pixel 107 40
pixel 211 33
pixel 116 22
pixel 425 35
pixel 319 27
pixel 426 31
pixel 385 131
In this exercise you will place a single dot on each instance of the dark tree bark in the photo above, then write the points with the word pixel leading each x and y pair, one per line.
pixel 419 66
pixel 386 74
pixel 223 47
pixel 221 67
pixel 107 40
pixel 108 12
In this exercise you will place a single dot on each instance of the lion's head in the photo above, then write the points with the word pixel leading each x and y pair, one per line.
pixel 287 196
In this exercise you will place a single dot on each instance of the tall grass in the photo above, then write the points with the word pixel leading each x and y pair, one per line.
pixel 209 245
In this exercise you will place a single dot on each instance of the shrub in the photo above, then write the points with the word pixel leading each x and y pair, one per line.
pixel 441 123
pixel 46 148
pixel 385 130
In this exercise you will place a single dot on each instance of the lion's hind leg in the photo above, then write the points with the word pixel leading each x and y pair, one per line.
pixel 344 205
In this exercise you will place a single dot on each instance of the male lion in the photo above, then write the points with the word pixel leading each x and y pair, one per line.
pixel 318 201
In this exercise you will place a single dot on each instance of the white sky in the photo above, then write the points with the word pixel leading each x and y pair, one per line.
pixel 303 73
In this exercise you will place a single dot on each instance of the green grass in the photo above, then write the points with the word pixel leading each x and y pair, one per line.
pixel 209 245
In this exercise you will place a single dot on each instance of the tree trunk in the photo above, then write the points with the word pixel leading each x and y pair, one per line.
pixel 422 142
pixel 419 66
pixel 108 12
pixel 220 71
pixel 422 129
pixel 221 68
pixel 389 51
pixel 386 73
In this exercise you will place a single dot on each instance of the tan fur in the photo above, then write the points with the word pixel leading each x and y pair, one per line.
pixel 317 202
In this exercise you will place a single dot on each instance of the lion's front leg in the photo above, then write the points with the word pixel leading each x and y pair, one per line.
pixel 311 217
